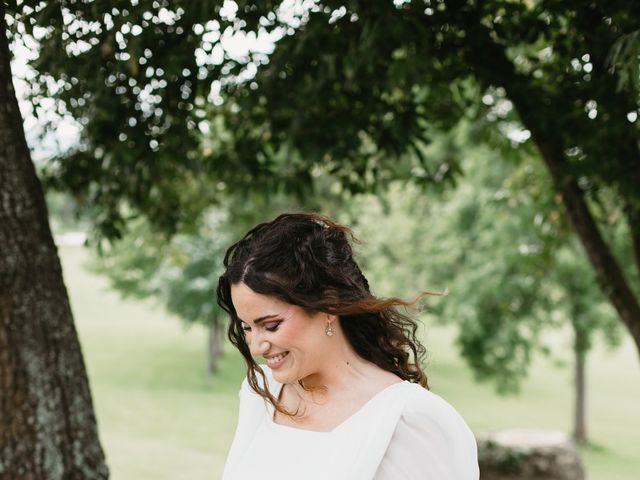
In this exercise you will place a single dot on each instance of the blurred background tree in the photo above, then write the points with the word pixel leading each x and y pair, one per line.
pixel 534 78
pixel 180 273
pixel 500 245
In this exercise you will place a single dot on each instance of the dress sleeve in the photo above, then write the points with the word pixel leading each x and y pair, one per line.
pixel 250 414
pixel 431 442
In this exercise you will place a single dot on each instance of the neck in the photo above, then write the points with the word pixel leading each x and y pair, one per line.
pixel 345 369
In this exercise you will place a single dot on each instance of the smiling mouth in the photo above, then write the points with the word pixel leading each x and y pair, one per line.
pixel 277 358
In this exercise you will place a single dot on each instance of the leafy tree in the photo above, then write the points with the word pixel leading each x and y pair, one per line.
pixel 389 73
pixel 588 315
pixel 521 274
pixel 351 89
pixel 500 244
pixel 181 272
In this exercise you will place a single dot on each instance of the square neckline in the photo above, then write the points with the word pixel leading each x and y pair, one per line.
pixel 273 423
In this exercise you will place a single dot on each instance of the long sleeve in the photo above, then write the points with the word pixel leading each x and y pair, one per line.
pixel 431 442
pixel 250 415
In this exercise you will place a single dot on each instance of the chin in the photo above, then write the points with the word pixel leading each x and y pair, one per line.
pixel 284 376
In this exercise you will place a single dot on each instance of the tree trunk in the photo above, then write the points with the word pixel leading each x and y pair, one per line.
pixel 610 276
pixel 214 344
pixel 580 413
pixel 493 67
pixel 47 425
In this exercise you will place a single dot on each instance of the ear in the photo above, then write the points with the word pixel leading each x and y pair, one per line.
pixel 330 318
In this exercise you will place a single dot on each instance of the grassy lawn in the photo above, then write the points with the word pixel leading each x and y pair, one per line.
pixel 161 418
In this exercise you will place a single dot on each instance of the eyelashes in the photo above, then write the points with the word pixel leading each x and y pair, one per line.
pixel 272 327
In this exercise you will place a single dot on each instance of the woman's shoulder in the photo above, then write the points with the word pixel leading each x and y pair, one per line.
pixel 431 440
pixel 421 400
pixel 426 410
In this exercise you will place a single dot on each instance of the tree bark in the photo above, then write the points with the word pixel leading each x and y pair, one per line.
pixel 47 424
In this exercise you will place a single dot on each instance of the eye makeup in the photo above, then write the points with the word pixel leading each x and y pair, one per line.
pixel 270 326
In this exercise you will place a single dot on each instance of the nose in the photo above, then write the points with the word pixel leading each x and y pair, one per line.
pixel 258 345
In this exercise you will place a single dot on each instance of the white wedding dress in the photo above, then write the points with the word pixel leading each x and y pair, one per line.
pixel 403 432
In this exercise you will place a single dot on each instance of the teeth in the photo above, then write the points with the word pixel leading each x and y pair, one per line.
pixel 277 358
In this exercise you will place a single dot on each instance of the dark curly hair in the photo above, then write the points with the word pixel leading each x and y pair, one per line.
pixel 307 260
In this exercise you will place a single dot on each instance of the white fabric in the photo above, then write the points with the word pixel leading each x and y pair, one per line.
pixel 403 432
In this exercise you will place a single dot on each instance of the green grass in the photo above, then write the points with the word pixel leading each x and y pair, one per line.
pixel 161 418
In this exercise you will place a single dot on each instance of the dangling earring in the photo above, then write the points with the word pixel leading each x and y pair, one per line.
pixel 328 329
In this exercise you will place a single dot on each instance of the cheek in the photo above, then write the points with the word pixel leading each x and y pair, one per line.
pixel 290 337
pixel 299 336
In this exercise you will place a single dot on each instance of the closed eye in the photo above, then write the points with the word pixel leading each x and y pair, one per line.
pixel 272 327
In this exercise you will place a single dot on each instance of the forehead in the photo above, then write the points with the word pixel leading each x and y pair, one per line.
pixel 250 305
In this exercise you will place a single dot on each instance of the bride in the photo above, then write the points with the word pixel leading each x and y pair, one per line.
pixel 341 393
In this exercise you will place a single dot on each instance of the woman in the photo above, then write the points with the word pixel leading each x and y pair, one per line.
pixel 343 395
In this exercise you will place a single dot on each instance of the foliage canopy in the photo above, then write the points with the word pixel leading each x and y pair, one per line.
pixel 352 89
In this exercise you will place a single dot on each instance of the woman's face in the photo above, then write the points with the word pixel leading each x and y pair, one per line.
pixel 292 342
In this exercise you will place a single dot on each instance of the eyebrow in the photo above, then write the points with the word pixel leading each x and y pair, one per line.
pixel 258 320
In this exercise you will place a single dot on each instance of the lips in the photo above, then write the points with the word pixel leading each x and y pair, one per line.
pixel 277 360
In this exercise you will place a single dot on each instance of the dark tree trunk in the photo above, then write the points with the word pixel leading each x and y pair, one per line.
pixel 580 410
pixel 47 425
pixel 493 67
pixel 214 344
pixel 610 276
